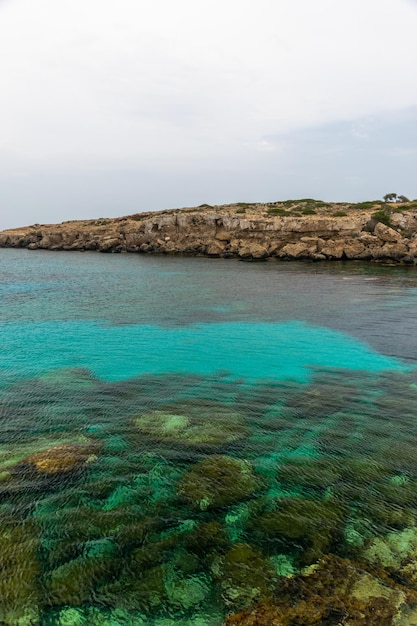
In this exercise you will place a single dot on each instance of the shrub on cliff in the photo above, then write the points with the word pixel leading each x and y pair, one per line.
pixel 383 215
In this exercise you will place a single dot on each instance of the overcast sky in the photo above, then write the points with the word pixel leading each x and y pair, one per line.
pixel 109 108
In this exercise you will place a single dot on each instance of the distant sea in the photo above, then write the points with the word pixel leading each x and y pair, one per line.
pixel 162 418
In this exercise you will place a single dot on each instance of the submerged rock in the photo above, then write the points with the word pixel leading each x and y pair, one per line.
pixel 206 540
pixel 37 472
pixel 72 617
pixel 74 582
pixel 317 474
pixel 61 459
pixel 335 591
pixel 396 553
pixel 260 615
pixel 218 481
pixel 144 592
pixel 244 576
pixel 312 525
pixel 211 426
pixel 186 592
pixel 14 456
pixel 20 570
pixel 155 553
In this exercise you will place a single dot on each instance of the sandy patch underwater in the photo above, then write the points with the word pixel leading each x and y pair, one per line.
pixel 242 349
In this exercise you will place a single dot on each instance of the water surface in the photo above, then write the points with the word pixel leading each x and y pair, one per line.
pixel 177 435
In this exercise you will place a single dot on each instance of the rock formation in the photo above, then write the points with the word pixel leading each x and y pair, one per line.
pixel 302 229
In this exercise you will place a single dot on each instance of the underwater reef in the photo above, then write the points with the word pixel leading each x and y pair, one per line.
pixel 146 502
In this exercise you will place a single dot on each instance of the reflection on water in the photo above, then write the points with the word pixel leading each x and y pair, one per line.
pixel 188 498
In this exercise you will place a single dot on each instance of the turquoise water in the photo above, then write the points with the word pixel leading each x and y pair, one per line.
pixel 286 350
pixel 178 435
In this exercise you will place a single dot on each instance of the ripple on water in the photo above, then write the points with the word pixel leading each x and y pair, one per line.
pixel 242 454
pixel 127 516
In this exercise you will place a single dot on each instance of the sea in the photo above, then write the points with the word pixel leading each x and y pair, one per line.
pixel 179 434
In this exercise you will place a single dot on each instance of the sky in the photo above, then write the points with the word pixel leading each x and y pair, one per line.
pixel 109 108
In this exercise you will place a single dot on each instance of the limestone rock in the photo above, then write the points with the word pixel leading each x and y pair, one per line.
pixel 253 251
pixel 215 248
pixel 368 239
pixel 109 243
pixel 405 221
pixel 223 235
pixel 386 233
pixel 392 251
pixel 333 249
pixel 299 250
pixel 354 249
pixel 51 240
pixel 280 230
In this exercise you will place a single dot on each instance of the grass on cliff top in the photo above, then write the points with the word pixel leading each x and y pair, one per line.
pixel 385 211
pixel 290 208
pixel 308 206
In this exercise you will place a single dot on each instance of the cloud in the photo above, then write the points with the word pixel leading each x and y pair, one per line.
pixel 103 87
pixel 152 79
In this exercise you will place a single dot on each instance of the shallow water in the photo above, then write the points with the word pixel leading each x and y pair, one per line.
pixel 178 434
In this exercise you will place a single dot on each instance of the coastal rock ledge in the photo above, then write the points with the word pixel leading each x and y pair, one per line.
pixel 294 229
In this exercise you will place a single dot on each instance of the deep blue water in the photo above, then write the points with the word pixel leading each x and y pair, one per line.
pixel 127 380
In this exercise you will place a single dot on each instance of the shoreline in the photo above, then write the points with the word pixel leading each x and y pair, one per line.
pixel 299 229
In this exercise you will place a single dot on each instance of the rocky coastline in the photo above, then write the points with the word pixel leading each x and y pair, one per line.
pixel 294 229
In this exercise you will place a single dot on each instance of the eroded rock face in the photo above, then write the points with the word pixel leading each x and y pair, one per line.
pixel 253 251
pixel 386 233
pixel 264 231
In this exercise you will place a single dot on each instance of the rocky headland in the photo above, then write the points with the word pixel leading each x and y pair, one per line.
pixel 292 229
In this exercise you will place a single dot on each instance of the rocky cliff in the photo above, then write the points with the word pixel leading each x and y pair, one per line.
pixel 303 229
